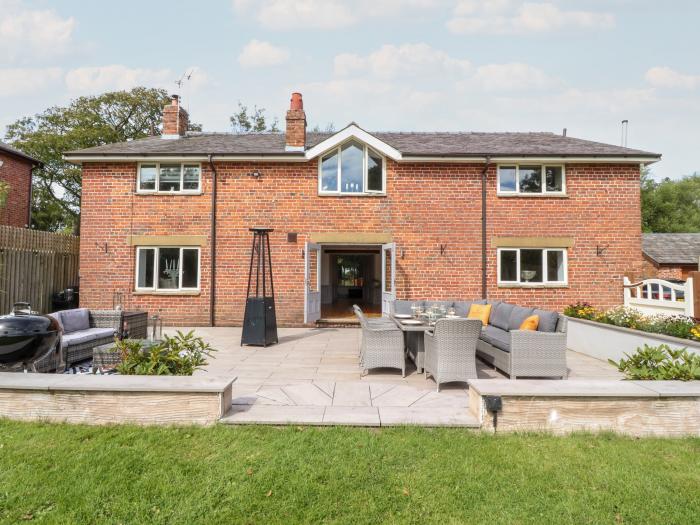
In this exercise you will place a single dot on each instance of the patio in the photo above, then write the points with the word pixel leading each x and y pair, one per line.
pixel 312 376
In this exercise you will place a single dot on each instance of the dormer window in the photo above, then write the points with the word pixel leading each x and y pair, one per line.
pixel 351 169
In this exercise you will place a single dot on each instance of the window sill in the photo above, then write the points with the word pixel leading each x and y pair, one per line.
pixel 171 193
pixel 323 194
pixel 538 285
pixel 534 195
pixel 167 292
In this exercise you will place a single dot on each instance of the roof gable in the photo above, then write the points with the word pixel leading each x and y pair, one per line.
pixel 353 131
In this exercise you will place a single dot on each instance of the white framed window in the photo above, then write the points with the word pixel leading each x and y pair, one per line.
pixel 352 168
pixel 532 266
pixel 531 179
pixel 167 268
pixel 169 177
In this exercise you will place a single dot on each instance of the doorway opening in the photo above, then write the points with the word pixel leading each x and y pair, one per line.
pixel 351 275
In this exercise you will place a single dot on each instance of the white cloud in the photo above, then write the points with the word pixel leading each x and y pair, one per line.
pixel 405 60
pixel 26 81
pixel 514 76
pixel 324 14
pixel 28 33
pixel 261 54
pixel 93 80
pixel 517 17
pixel 665 77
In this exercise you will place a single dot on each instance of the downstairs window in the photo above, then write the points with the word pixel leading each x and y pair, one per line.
pixel 167 268
pixel 532 266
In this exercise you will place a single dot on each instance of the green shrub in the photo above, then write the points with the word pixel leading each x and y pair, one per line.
pixel 582 310
pixel 180 355
pixel 660 362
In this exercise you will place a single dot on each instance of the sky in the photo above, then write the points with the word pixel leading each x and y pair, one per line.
pixel 388 65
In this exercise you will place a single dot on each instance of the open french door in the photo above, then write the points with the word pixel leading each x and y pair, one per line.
pixel 388 277
pixel 312 283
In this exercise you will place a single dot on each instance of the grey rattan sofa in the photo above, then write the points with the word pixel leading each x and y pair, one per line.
pixel 450 350
pixel 518 353
pixel 382 344
pixel 82 330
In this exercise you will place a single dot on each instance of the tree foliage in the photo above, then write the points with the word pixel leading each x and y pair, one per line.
pixel 256 122
pixel 88 121
pixel 670 206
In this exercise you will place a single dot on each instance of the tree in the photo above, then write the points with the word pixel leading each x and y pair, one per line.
pixel 670 206
pixel 242 122
pixel 88 121
pixel 329 128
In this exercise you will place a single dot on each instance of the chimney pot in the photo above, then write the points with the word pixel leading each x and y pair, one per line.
pixel 296 101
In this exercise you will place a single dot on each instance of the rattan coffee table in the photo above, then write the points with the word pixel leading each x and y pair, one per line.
pixel 106 356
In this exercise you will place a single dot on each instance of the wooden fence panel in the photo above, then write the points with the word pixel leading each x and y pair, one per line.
pixel 34 265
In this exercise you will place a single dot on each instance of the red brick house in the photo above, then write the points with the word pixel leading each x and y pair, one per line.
pixel 535 218
pixel 16 172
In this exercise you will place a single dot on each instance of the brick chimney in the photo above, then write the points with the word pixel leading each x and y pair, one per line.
pixel 296 124
pixel 175 119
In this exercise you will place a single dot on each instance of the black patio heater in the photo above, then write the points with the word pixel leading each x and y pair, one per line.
pixel 260 322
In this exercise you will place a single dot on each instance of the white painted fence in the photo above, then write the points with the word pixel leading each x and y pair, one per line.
pixel 656 296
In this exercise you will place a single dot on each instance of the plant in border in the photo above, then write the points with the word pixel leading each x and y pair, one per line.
pixel 680 326
pixel 660 362
pixel 179 355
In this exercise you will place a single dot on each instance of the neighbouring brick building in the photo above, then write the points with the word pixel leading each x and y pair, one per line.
pixel 670 255
pixel 357 217
pixel 16 172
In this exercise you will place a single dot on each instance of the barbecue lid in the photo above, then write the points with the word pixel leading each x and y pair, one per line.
pixel 17 324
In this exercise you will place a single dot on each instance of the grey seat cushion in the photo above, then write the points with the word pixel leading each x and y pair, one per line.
pixel 85 336
pixel 75 320
pixel 462 307
pixel 446 304
pixel 500 315
pixel 402 306
pixel 548 320
pixel 517 315
pixel 496 337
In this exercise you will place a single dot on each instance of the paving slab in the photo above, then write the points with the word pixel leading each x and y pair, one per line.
pixel 352 394
pixel 399 396
pixel 356 416
pixel 273 415
pixel 432 416
pixel 307 394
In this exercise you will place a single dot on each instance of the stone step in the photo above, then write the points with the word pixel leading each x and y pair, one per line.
pixel 360 416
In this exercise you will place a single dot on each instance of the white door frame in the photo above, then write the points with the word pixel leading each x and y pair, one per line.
pixel 312 299
pixel 388 293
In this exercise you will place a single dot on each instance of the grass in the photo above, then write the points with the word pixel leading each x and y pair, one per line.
pixel 124 474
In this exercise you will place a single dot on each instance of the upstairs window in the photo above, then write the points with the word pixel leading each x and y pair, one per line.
pixel 352 169
pixel 167 177
pixel 532 266
pixel 531 179
pixel 167 268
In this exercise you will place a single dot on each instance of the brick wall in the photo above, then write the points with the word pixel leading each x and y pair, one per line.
pixel 666 271
pixel 17 173
pixel 427 205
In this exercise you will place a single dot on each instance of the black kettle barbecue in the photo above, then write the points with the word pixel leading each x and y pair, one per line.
pixel 26 337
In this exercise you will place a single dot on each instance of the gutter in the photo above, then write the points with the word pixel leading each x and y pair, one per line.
pixel 212 249
pixel 484 289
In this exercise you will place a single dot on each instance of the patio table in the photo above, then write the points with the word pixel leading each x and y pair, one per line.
pixel 413 336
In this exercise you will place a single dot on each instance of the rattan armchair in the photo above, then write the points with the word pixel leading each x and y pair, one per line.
pixel 382 344
pixel 450 350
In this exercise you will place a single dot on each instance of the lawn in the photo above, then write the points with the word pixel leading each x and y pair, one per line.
pixel 125 474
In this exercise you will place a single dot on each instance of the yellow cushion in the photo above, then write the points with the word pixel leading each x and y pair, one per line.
pixel 531 323
pixel 480 311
